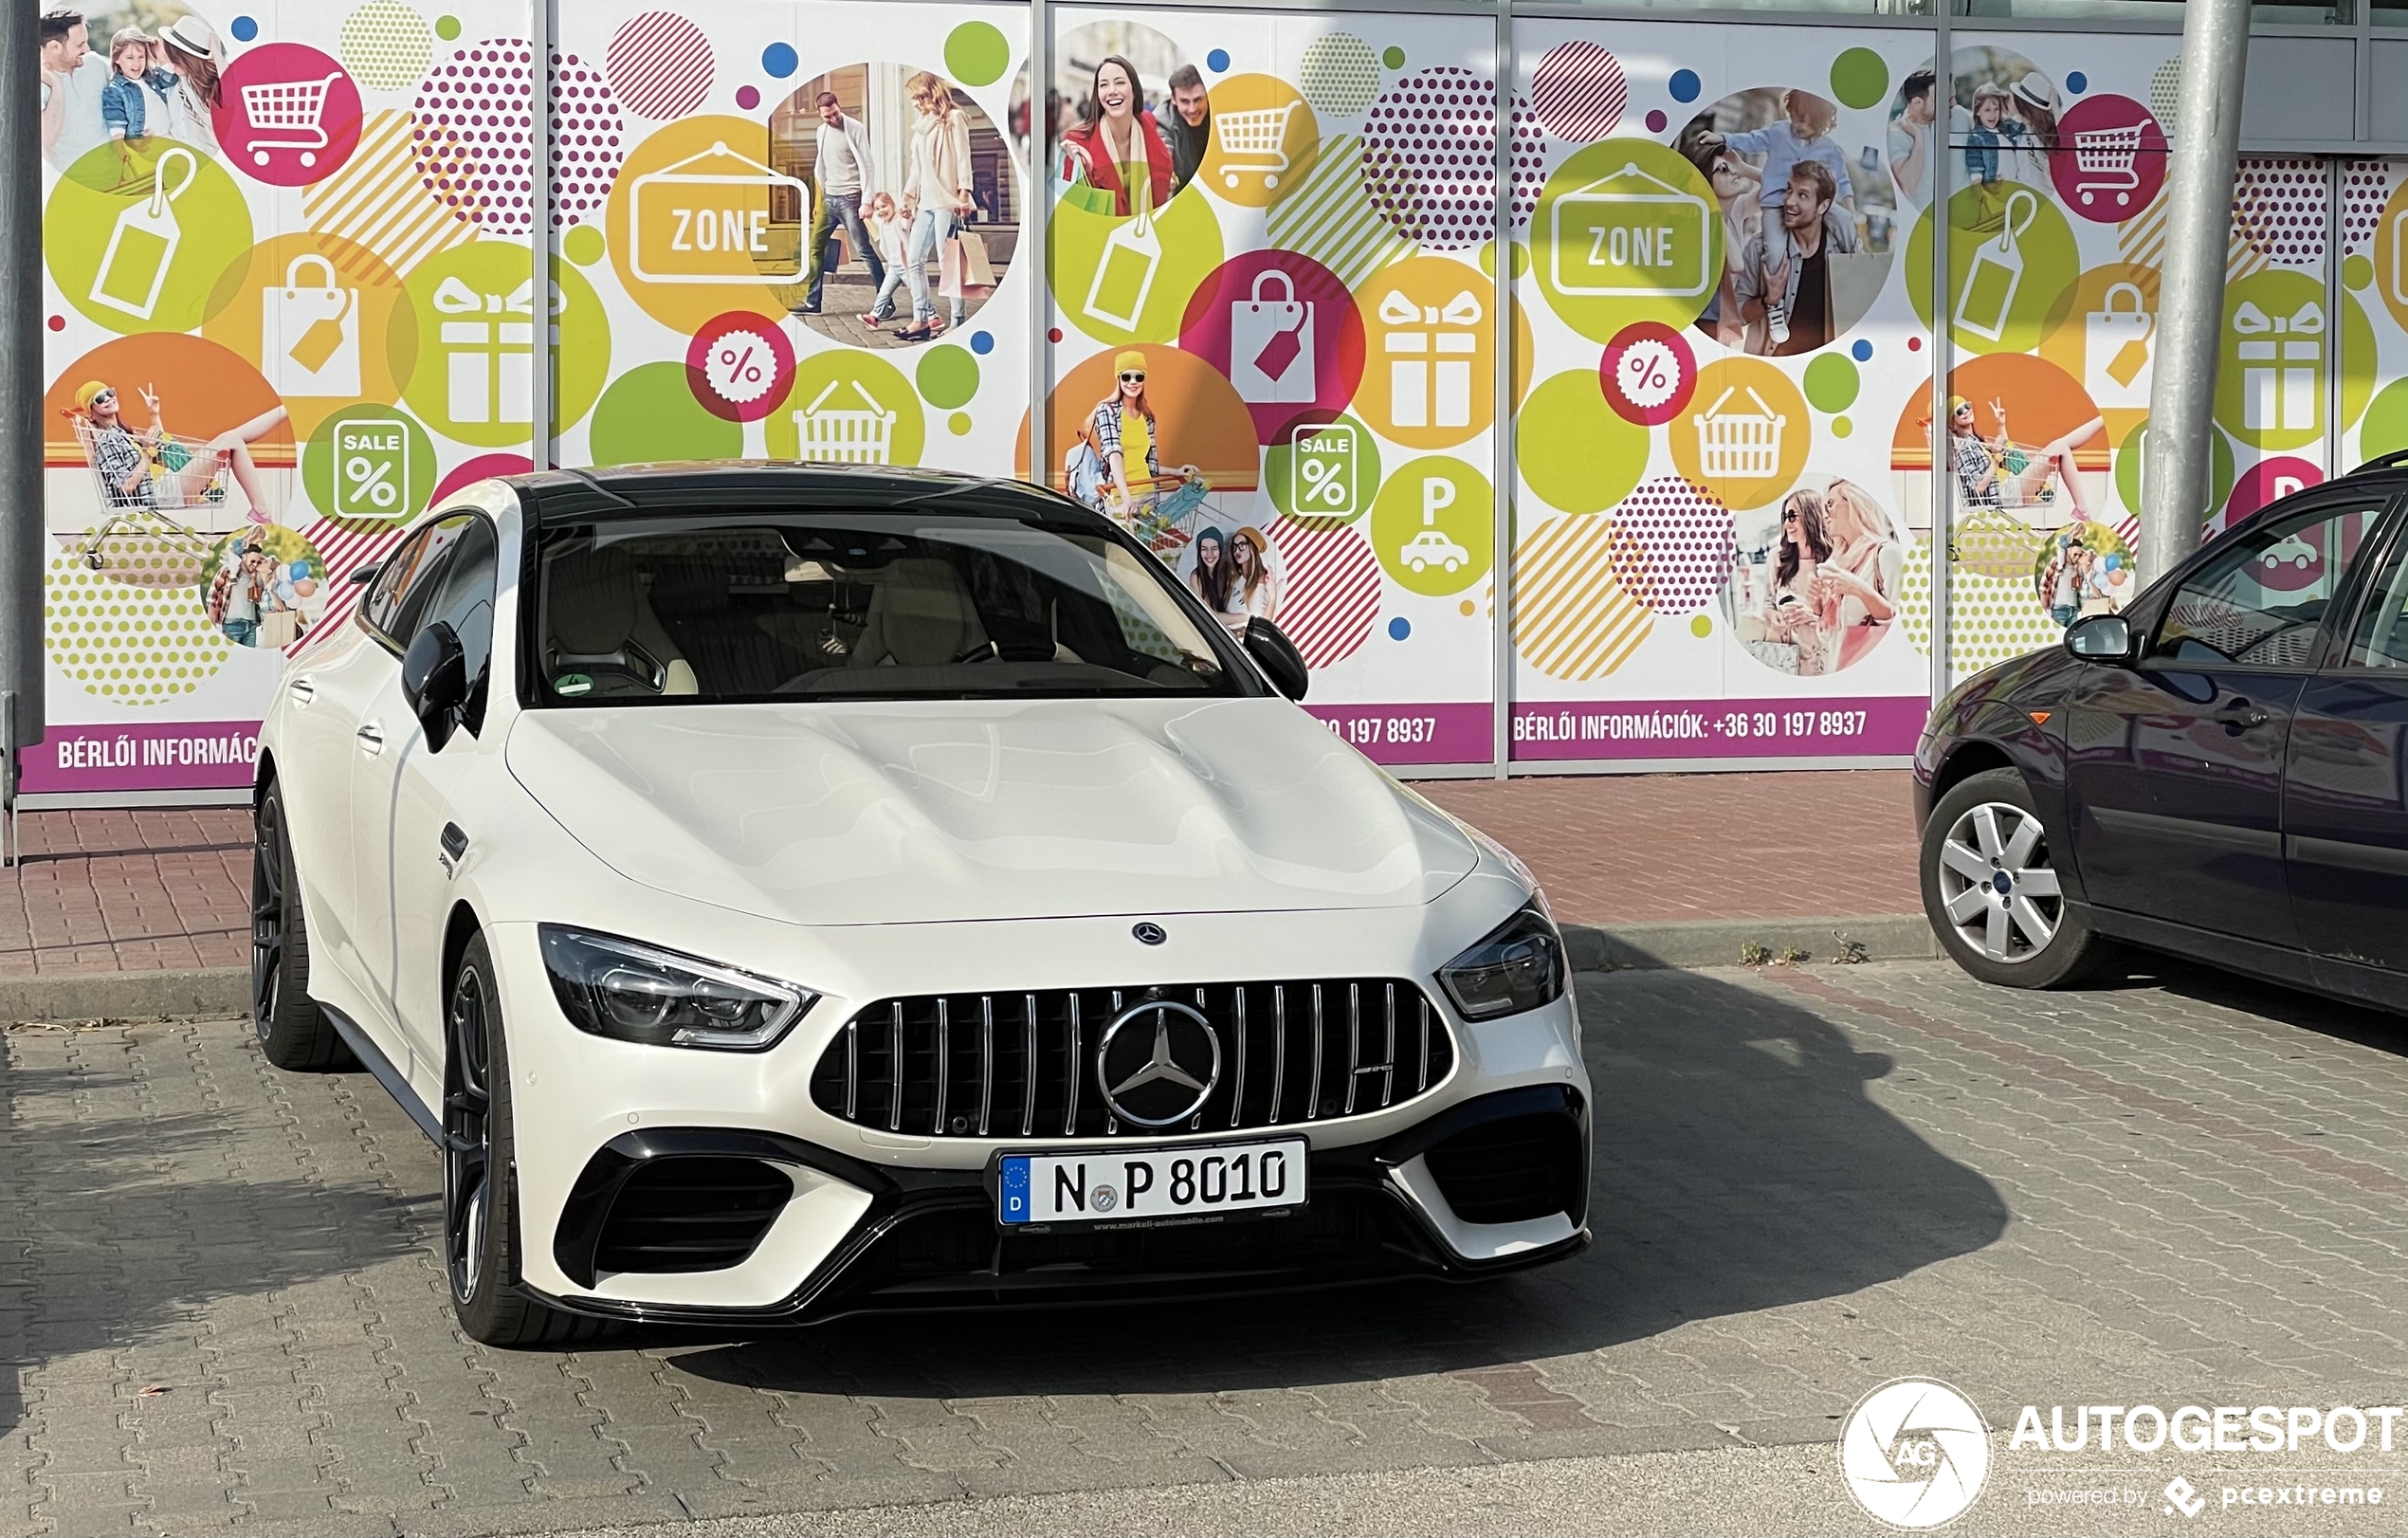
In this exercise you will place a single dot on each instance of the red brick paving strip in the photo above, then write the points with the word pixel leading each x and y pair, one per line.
pixel 1641 849
pixel 128 891
pixel 134 891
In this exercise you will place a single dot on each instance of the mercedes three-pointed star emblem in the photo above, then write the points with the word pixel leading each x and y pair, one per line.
pixel 1171 1082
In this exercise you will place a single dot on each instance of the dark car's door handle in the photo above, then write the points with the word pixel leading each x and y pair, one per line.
pixel 2240 716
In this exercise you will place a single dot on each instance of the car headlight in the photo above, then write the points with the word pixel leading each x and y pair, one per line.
pixel 1518 966
pixel 629 991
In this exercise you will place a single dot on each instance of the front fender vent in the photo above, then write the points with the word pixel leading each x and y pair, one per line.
pixel 691 1213
pixel 1023 1065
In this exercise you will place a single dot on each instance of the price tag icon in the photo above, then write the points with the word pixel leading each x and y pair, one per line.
pixel 1323 482
pixel 371 468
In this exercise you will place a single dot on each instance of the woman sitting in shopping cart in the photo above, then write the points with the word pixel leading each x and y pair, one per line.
pixel 1122 426
pixel 1121 146
pixel 123 458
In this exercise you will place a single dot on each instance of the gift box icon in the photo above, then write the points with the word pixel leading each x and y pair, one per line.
pixel 490 363
pixel 2282 360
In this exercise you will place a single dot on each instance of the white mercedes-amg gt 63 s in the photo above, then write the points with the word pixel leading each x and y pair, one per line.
pixel 784 892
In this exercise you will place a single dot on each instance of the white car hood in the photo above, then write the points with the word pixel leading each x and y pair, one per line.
pixel 945 812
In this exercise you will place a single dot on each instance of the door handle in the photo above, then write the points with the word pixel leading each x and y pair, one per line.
pixel 371 739
pixel 2241 716
pixel 303 691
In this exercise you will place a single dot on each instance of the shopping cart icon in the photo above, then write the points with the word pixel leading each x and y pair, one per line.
pixel 1254 143
pixel 292 107
pixel 841 436
pixel 1736 445
pixel 2102 162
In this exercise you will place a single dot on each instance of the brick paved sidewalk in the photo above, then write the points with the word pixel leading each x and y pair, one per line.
pixel 141 890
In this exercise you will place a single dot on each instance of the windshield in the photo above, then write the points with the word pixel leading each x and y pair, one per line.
pixel 858 605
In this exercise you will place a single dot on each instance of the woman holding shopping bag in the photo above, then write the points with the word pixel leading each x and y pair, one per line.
pixel 1124 148
pixel 936 195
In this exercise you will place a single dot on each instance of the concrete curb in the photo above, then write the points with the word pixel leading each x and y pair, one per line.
pixel 223 991
pixel 217 991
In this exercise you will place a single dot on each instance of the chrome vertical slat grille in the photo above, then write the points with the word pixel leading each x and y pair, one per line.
pixel 903 1066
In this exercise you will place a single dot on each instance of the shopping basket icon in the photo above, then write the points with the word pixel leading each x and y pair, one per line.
pixel 1737 446
pixel 1253 142
pixel 845 436
pixel 296 108
pixel 2103 164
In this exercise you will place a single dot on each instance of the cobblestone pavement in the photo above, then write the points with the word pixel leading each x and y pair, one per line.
pixel 134 890
pixel 219 1292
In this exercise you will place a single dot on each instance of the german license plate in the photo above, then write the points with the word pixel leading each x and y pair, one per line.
pixel 1150 1185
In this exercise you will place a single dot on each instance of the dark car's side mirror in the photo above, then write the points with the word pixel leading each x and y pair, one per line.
pixel 1278 657
pixel 434 679
pixel 361 575
pixel 2101 638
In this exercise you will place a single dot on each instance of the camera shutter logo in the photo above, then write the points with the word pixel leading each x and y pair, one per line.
pixel 1914 1454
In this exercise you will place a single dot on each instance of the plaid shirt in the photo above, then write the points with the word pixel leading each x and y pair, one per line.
pixel 1104 428
pixel 116 456
pixel 1973 465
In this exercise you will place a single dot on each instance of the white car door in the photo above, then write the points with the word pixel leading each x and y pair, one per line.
pixel 406 797
pixel 386 740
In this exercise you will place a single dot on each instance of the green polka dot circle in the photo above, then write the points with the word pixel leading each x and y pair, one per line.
pixel 1338 75
pixel 134 645
pixel 386 45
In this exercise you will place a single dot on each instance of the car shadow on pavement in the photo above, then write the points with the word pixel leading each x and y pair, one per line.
pixel 2363 1026
pixel 1739 1166
pixel 122 1221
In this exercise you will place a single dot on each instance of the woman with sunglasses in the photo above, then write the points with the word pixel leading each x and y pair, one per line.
pixel 1120 428
pixel 1788 631
pixel 123 457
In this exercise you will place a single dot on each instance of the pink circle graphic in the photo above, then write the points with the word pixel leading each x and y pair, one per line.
pixel 2109 160
pixel 475 117
pixel 1578 91
pixel 1647 373
pixel 1673 546
pixel 1429 147
pixel 2366 189
pixel 2266 482
pixel 1285 332
pixel 2279 207
pixel 739 366
pixel 1329 588
pixel 659 66
pixel 287 114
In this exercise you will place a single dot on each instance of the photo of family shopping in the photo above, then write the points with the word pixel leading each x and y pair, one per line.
pixel 2002 126
pixel 265 587
pixel 1820 578
pixel 916 216
pixel 1807 227
pixel 125 75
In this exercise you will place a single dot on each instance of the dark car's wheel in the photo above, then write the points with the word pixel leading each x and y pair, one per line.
pixel 1991 891
pixel 480 1184
pixel 293 1031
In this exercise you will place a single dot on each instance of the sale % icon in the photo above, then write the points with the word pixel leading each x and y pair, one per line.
pixel 741 366
pixel 1647 373
pixel 1323 482
pixel 372 473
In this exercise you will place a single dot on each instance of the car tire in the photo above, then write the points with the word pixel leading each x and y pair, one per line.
pixel 2023 934
pixel 480 1177
pixel 293 1031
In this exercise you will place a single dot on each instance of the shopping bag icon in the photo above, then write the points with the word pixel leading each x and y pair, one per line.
pixel 1270 344
pixel 1430 366
pixel 309 332
pixel 2282 360
pixel 1125 277
pixel 705 220
pixel 142 246
pixel 1630 235
pixel 2115 348
pixel 489 364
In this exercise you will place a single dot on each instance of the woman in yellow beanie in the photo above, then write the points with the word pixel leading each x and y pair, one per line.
pixel 123 457
pixel 1120 428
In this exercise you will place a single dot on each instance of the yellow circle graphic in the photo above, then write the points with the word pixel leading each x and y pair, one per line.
pixel 326 322
pixel 699 223
pixel 1745 433
pixel 1430 346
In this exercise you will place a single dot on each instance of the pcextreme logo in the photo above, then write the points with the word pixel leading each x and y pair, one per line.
pixel 1914 1453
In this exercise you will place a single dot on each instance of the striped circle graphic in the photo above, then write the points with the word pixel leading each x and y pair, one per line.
pixel 659 65
pixel 1578 91
pixel 1330 588
pixel 1571 619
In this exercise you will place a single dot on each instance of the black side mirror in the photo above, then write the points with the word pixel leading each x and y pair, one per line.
pixel 361 575
pixel 434 679
pixel 2101 638
pixel 1277 656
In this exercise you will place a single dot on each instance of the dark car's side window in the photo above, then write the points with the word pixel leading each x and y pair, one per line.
pixel 2381 636
pixel 2262 600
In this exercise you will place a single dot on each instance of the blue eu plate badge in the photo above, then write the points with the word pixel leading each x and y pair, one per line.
pixel 1015 1191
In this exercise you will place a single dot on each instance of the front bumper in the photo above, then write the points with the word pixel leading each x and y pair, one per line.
pixel 925 1239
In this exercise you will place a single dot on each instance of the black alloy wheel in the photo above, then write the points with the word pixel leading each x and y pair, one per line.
pixel 467 1136
pixel 293 1031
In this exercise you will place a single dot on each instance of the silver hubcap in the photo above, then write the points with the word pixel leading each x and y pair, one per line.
pixel 1995 882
